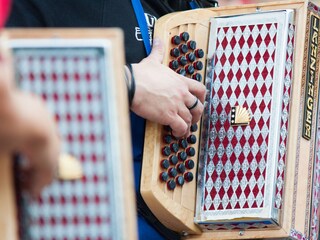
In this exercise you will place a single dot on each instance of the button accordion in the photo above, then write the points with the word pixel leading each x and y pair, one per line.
pixel 78 72
pixel 250 169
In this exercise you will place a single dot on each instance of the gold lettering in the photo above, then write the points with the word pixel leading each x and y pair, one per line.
pixel 307 131
pixel 315 38
pixel 310 89
pixel 310 104
pixel 315 24
pixel 314 50
pixel 309 117
pixel 311 78
pixel 313 63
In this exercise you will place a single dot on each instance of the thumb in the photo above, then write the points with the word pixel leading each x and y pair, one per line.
pixel 157 51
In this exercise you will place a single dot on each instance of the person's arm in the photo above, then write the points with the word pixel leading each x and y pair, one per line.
pixel 27 128
pixel 164 96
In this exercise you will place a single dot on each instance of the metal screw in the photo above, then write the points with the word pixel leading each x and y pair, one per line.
pixel 184 233
pixel 241 233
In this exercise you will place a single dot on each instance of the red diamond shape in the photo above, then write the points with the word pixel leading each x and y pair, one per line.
pixel 259 40
pixel 221 76
pixel 233 41
pixel 250 41
pixel 267 40
pixel 257 57
pixel 254 91
pixel 239 74
pixel 264 72
pixel 220 93
pixel 223 59
pixel 246 90
pixel 231 58
pixel 263 90
pixel 249 57
pixel 234 142
pixel 229 91
pixel 241 41
pixel 251 140
pixel 224 43
pixel 230 76
pixel 241 159
pixel 247 74
pixel 256 73
pixel 238 191
pixel 249 175
pixel 240 58
pixel 237 91
pixel 231 175
pixel 266 56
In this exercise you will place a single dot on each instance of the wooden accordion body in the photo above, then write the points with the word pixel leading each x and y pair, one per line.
pixel 78 73
pixel 251 168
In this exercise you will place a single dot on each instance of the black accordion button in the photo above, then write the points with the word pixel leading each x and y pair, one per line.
pixel 164 176
pixel 189 69
pixel 183 48
pixel 165 164
pixel 182 60
pixel 184 36
pixel 173 159
pixel 175 52
pixel 174 64
pixel 182 156
pixel 174 147
pixel 191 151
pixel 181 168
pixel 189 164
pixel 192 45
pixel 180 180
pixel 176 40
pixel 167 139
pixel 194 127
pixel 197 76
pixel 166 151
pixel 198 65
pixel 199 53
pixel 191 57
pixel 173 172
pixel 183 143
pixel 181 71
pixel 188 176
pixel 192 139
pixel 171 184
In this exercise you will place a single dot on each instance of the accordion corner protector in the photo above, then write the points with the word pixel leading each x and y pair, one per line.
pixel 240 116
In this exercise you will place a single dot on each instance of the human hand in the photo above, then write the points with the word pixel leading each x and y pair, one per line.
pixel 28 129
pixel 165 97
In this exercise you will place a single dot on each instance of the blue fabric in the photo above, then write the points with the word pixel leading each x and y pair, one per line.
pixel 139 12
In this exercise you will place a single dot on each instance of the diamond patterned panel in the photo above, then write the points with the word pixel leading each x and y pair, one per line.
pixel 243 73
pixel 71 83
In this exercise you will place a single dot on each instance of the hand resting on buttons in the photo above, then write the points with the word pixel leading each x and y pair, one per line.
pixel 164 96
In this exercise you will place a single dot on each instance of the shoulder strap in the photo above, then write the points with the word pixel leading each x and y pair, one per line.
pixel 138 10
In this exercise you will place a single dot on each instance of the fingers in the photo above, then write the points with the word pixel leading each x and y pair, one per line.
pixel 197 89
pixel 179 127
